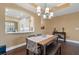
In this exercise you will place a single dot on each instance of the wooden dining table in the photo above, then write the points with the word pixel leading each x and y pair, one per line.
pixel 43 40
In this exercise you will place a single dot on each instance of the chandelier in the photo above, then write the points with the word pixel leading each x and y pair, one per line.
pixel 45 13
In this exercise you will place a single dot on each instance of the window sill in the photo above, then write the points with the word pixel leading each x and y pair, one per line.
pixel 18 32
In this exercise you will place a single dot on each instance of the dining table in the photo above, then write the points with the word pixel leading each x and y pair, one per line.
pixel 42 40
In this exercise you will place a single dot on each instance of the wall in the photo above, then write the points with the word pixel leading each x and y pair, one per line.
pixel 48 27
pixel 69 22
pixel 15 39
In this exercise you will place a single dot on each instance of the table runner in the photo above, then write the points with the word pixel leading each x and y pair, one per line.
pixel 32 43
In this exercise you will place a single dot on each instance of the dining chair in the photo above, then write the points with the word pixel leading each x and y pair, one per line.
pixel 39 34
pixel 54 49
pixel 31 35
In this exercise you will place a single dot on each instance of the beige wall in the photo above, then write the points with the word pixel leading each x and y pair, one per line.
pixel 69 22
pixel 14 39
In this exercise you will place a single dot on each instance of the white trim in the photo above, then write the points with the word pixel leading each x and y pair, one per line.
pixel 73 41
pixel 17 46
pixel 14 47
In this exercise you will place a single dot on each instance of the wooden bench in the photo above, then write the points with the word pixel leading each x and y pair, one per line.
pixel 55 49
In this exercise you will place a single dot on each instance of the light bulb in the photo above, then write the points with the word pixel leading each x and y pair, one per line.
pixel 39 14
pixel 38 7
pixel 47 10
pixel 7 9
pixel 49 17
pixel 44 16
pixel 51 14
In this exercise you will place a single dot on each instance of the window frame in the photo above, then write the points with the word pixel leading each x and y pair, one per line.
pixel 25 31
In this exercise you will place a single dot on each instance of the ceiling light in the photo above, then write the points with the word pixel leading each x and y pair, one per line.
pixel 45 12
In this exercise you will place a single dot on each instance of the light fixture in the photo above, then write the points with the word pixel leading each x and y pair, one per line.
pixel 45 12
pixel 39 10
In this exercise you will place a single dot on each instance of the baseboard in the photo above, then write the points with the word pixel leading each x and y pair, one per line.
pixel 73 41
pixel 14 47
pixel 20 45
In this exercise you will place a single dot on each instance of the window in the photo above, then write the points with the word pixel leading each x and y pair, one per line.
pixel 18 21
pixel 9 27
pixel 26 24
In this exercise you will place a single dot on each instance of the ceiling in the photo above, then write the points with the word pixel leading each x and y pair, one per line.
pixel 50 5
pixel 74 7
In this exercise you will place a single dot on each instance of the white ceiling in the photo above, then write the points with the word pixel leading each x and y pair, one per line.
pixel 74 8
pixel 50 5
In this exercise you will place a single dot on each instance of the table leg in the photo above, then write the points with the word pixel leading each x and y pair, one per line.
pixel 65 37
pixel 44 50
pixel 27 52
pixel 57 39
pixel 60 50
